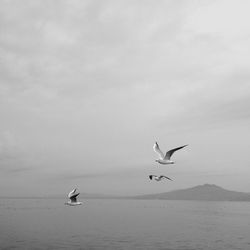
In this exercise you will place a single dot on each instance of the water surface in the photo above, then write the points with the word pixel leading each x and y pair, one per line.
pixel 124 224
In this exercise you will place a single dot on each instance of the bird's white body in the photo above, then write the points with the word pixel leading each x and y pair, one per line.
pixel 73 203
pixel 164 162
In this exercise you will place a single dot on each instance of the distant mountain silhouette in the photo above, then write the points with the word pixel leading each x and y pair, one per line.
pixel 206 192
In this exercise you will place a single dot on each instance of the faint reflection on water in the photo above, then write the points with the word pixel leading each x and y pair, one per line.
pixel 124 224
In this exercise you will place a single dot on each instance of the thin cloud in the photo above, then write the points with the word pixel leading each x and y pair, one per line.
pixel 19 169
pixel 224 105
pixel 13 159
pixel 126 172
pixel 84 176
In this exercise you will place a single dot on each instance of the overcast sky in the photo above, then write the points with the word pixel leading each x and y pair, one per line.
pixel 87 87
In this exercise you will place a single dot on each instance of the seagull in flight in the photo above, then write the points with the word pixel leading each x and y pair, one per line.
pixel 158 178
pixel 165 159
pixel 73 198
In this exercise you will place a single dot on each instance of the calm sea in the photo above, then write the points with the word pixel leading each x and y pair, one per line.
pixel 124 224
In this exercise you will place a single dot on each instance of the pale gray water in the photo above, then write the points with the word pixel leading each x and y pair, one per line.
pixel 124 224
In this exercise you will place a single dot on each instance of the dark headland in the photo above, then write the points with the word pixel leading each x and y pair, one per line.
pixel 206 192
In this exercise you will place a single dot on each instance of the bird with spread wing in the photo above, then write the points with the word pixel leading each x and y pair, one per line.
pixel 73 198
pixel 165 159
pixel 158 178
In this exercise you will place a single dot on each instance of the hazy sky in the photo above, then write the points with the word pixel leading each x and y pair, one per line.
pixel 86 87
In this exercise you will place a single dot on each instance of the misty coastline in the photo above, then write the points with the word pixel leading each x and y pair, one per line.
pixel 206 192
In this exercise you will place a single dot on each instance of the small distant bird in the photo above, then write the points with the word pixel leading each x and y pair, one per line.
pixel 165 159
pixel 158 178
pixel 73 198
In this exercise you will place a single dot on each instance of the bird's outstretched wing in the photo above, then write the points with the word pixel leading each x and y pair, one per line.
pixel 157 150
pixel 71 193
pixel 170 152
pixel 163 176
pixel 73 197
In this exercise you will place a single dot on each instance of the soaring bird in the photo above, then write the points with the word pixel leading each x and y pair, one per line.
pixel 158 178
pixel 165 159
pixel 73 198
